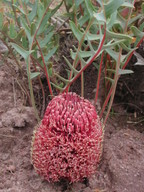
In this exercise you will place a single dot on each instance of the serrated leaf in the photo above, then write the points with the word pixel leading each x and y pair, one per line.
pixel 112 44
pixel 33 13
pixel 27 30
pixel 57 86
pixel 137 32
pixel 34 75
pixel 82 20
pixel 46 39
pixel 50 54
pixel 112 20
pixel 118 35
pixel 62 79
pixel 77 33
pixel 90 7
pixel 133 19
pixel 70 66
pixel 126 48
pixel 21 51
pixel 100 17
pixel 121 21
pixel 84 54
pixel 44 23
pixel 112 6
pixel 124 71
pixel 115 55
pixel 92 37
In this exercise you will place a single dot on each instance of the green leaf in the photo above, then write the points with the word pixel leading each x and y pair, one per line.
pixel 137 32
pixel 90 7
pixel 112 6
pixel 19 35
pixel 125 71
pixel 50 54
pixel 100 17
pixel 112 20
pixel 118 35
pixel 40 11
pixel 33 13
pixel 82 20
pixel 25 42
pixel 62 79
pixel 57 87
pixel 50 71
pixel 115 55
pixel 21 51
pixel 46 39
pixel 112 44
pixel 126 48
pixel 133 19
pixel 12 31
pixel 27 30
pixel 33 29
pixel 111 80
pixel 1 20
pixel 70 66
pixel 121 21
pixel 44 23
pixel 92 37
pixel 21 10
pixel 34 75
pixel 84 54
pixel 77 33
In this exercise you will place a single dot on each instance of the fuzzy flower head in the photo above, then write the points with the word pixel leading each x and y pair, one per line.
pixel 68 143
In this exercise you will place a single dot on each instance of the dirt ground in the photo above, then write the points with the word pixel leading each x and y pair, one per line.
pixel 121 168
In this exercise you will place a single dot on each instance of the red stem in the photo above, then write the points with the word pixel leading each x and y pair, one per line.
pixel 45 68
pixel 81 10
pixel 99 75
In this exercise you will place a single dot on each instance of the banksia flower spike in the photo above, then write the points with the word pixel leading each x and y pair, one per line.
pixel 68 143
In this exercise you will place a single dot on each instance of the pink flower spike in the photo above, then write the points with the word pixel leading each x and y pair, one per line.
pixel 68 143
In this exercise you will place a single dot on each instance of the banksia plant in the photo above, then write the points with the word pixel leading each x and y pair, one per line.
pixel 68 143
